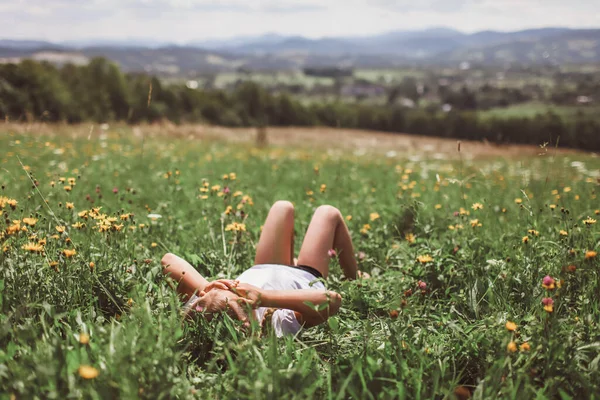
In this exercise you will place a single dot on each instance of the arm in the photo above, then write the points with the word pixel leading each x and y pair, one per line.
pixel 296 300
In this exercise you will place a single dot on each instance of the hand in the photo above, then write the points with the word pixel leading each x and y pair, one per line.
pixel 219 300
pixel 251 293
pixel 363 275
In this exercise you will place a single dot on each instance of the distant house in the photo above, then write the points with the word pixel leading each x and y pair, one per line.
pixel 362 90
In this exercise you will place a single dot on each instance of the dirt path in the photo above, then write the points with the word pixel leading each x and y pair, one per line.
pixel 323 138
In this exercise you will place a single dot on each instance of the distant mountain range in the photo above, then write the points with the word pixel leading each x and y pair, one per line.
pixel 436 46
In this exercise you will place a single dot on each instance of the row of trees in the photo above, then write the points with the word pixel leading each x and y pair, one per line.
pixel 100 92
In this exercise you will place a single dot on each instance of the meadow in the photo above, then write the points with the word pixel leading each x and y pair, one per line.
pixel 484 272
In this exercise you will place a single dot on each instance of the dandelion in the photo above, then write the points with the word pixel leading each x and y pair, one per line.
pixel 590 254
pixel 69 252
pixel 512 347
pixel 60 229
pixel 548 304
pixel 410 238
pixel 365 229
pixel 33 247
pixel 518 201
pixel 30 221
pixel 525 239
pixel 477 206
pixel 348 217
pixel 589 221
pixel 525 347
pixel 424 259
pixel 533 232
pixel 511 326
pixel 323 188
pixel 373 216
pixel 548 282
pixel 88 372
pixel 438 206
pixel 563 233
pixel 84 338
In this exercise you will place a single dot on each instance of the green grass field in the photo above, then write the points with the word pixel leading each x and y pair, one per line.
pixel 86 313
pixel 532 109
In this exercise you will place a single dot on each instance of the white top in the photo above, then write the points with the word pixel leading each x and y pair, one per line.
pixel 280 277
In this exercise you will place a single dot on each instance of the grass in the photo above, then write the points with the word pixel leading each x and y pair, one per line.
pixel 532 109
pixel 103 322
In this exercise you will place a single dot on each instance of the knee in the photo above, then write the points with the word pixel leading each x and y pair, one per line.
pixel 328 211
pixel 285 207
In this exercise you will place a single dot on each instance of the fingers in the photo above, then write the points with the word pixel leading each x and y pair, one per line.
pixel 237 311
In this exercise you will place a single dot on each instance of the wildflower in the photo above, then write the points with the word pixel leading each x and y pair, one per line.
pixel 511 326
pixel 548 282
pixel 62 179
pixel 438 206
pixel 422 285
pixel 237 193
pixel 226 190
pixel 597 212
pixel 154 217
pixel 30 221
pixel 88 372
pixel 60 229
pixel 83 214
pixel 533 232
pixel 525 347
pixel 348 217
pixel 5 200
pixel 236 227
pixel 393 314
pixel 92 265
pixel 462 211
pixel 567 189
pixel 216 188
pixel 53 264
pixel 410 238
pixel 477 206
pixel 590 254
pixel 69 253
pixel 361 255
pixel 512 347
pixel 475 223
pixel 204 197
pixel 424 259
pixel 323 188
pixel 84 338
pixel 309 192
pixel 589 221
pixel 552 206
pixel 228 210
pixel 225 177
pixel 232 176
pixel 68 188
pixel 525 239
pixel 548 304
pixel 70 206
pixel 365 229
pixel 33 247
pixel 331 253
pixel 153 244
pixel 451 227
pixel 373 216
pixel 518 201
pixel 571 268
pixel 563 233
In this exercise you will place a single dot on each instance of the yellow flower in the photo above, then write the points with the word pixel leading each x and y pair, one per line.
pixel 60 229
pixel 228 210
pixel 365 229
pixel 511 326
pixel 424 259
pixel 373 216
pixel 512 347
pixel 462 211
pixel 597 212
pixel 477 206
pixel 563 233
pixel 232 176
pixel 451 227
pixel 549 308
pixel 84 338
pixel 88 372
pixel 475 223
pixel 533 232
pixel 525 347
pixel 348 217
pixel 237 193
pixel 552 206
pixel 410 238
pixel 33 247
pixel 567 189
pixel 225 177
pixel 525 239
pixel 518 201
pixel 236 227
pixel 438 206
pixel 204 197
pixel 69 253
pixel 68 188
pixel 216 188
pixel 323 188
pixel 309 192
pixel 71 181
pixel 70 206
pixel 590 254
pixel 153 244
pixel 589 221
pixel 30 221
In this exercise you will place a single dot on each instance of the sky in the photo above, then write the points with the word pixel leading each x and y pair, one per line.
pixel 182 21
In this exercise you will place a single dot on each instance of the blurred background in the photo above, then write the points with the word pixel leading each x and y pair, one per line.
pixel 509 71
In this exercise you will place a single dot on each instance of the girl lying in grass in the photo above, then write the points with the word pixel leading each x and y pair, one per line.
pixel 278 287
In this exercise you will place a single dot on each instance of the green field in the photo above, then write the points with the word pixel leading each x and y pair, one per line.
pixel 86 313
pixel 532 109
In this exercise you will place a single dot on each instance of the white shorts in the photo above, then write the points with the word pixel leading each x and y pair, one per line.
pixel 280 277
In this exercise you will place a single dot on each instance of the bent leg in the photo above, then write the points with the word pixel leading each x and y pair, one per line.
pixel 327 230
pixel 189 281
pixel 276 243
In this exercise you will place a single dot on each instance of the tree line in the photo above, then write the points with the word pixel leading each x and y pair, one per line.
pixel 100 92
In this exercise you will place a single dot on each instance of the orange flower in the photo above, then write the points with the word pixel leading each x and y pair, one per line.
pixel 88 372
pixel 512 347
pixel 84 338
pixel 525 347
pixel 590 254
pixel 69 253
pixel 511 326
